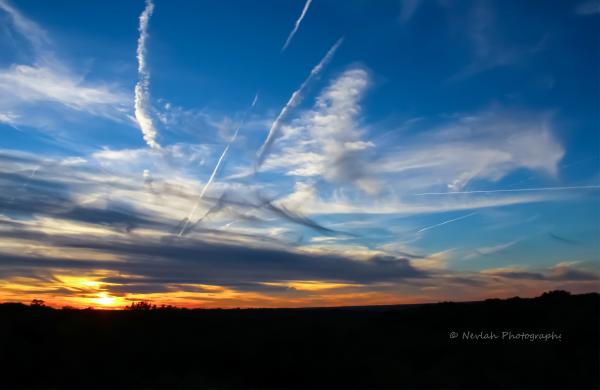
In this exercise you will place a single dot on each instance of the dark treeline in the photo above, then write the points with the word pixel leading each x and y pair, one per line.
pixel 368 347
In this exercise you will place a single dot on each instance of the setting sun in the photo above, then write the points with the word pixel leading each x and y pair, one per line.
pixel 105 300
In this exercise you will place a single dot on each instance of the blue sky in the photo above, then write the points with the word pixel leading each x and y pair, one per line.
pixel 391 151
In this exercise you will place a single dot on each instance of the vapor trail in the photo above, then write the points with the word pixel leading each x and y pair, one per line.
pixel 511 190
pixel 445 222
pixel 216 168
pixel 292 102
pixel 296 25
pixel 142 94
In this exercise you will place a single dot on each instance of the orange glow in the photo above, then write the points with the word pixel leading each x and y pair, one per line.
pixel 106 300
pixel 90 290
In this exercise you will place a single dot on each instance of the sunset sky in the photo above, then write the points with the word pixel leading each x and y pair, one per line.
pixel 238 153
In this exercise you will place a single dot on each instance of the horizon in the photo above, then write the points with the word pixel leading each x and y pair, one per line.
pixel 149 306
pixel 237 154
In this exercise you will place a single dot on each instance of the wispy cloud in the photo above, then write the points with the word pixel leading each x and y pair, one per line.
pixel 488 250
pixel 48 80
pixel 34 33
pixel 216 168
pixel 590 7
pixel 296 25
pixel 142 93
pixel 293 101
pixel 490 49
pixel 408 9
pixel 485 146
pixel 592 187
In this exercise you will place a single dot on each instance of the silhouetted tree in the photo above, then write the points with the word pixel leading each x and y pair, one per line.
pixel 556 294
pixel 140 306
pixel 37 302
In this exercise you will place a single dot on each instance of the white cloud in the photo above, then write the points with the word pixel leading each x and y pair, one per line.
pixel 48 80
pixel 326 140
pixel 8 118
pixel 33 84
pixel 293 101
pixel 485 146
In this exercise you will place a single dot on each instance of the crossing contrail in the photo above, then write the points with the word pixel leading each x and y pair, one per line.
pixel 216 168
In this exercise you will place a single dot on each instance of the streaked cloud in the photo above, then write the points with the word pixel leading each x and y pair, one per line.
pixel 566 188
pixel 48 80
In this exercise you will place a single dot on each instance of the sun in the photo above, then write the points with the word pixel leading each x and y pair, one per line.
pixel 104 300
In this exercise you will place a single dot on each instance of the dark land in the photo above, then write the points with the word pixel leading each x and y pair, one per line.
pixel 358 347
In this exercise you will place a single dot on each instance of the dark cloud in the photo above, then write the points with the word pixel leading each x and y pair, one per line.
pixel 195 261
pixel 571 274
pixel 563 239
pixel 559 273
pixel 520 275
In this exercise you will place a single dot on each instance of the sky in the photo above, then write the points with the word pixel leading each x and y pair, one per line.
pixel 297 153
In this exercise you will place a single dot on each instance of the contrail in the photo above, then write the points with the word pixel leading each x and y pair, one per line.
pixel 142 94
pixel 296 25
pixel 292 102
pixel 511 190
pixel 216 168
pixel 445 222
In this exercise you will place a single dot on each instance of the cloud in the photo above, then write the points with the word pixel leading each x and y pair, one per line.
pixel 293 101
pixel 591 187
pixel 32 84
pixel 590 7
pixel 408 9
pixel 216 169
pixel 34 33
pixel 296 25
pixel 48 80
pixel 142 93
pixel 326 141
pixel 488 250
pixel 490 48
pixel 207 262
pixel 564 240
pixel 8 118
pixel 562 272
pixel 484 146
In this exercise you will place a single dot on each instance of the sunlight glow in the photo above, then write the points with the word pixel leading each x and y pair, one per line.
pixel 105 300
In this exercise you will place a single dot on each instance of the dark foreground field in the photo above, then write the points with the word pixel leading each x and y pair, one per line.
pixel 385 347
